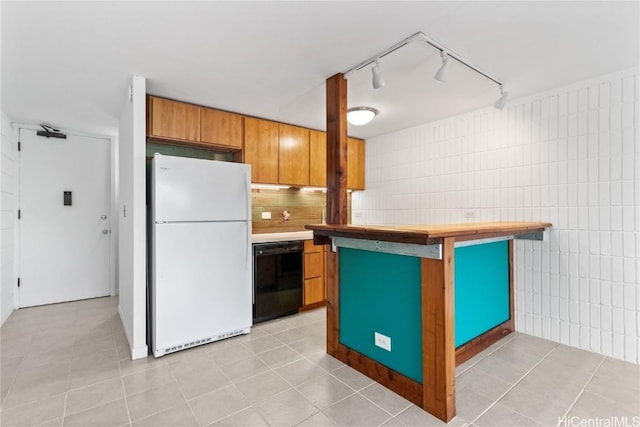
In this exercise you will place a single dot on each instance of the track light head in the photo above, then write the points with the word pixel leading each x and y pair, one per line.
pixel 441 75
pixel 502 101
pixel 378 80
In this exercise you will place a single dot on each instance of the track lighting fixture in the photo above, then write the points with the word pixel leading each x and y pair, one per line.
pixel 378 81
pixel 446 54
pixel 359 116
pixel 441 75
pixel 502 101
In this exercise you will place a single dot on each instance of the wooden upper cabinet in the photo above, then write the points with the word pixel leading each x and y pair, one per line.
pixel 261 149
pixel 317 158
pixel 169 119
pixel 355 164
pixel 221 128
pixel 293 155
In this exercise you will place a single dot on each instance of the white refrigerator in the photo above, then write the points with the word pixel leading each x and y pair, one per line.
pixel 200 276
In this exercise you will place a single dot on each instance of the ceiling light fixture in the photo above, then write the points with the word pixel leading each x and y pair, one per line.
pixel 502 101
pixel 378 81
pixel 359 116
pixel 441 75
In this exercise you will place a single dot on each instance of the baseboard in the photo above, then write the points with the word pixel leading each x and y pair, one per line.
pixel 138 352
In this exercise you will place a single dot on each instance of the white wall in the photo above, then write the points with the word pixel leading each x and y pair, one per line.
pixel 131 219
pixel 569 156
pixel 8 209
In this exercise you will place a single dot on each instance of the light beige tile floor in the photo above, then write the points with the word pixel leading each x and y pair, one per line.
pixel 69 364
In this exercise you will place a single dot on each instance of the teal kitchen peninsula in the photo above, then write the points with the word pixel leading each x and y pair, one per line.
pixel 406 304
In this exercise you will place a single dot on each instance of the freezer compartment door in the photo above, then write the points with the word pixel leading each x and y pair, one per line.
pixel 202 282
pixel 200 190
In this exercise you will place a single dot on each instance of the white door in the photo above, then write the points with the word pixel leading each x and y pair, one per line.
pixel 64 240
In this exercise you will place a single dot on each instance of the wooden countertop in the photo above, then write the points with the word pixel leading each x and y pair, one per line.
pixel 427 234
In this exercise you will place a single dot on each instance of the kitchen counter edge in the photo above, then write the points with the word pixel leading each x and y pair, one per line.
pixel 281 237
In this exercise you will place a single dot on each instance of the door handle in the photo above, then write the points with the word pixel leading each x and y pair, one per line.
pixel 105 231
pixel 103 217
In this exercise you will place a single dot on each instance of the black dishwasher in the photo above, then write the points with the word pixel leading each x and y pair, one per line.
pixel 277 279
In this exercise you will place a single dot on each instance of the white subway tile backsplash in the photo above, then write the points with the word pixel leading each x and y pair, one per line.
pixel 594 342
pixel 630 347
pixel 569 157
pixel 618 346
pixel 616 91
pixel 630 324
pixel 618 320
pixel 606 318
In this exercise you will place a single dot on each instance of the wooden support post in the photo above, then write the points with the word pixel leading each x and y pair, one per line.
pixel 336 195
pixel 333 304
pixel 438 345
pixel 336 150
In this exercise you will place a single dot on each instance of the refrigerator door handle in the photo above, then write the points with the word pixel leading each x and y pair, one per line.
pixel 248 247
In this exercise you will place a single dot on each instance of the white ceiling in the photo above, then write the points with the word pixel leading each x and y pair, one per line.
pixel 69 63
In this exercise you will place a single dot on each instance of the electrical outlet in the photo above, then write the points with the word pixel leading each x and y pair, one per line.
pixel 266 215
pixel 382 341
pixel 470 214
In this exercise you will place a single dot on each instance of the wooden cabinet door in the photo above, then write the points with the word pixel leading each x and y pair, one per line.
pixel 293 155
pixel 261 150
pixel 314 278
pixel 313 265
pixel 317 158
pixel 355 164
pixel 313 290
pixel 173 120
pixel 221 128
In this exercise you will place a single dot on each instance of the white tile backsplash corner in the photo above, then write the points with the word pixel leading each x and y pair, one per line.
pixel 618 346
pixel 606 343
pixel 630 348
pixel 617 315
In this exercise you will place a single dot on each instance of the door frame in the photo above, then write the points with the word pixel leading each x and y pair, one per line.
pixel 113 198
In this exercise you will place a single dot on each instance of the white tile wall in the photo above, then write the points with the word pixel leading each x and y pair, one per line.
pixel 569 156
pixel 8 206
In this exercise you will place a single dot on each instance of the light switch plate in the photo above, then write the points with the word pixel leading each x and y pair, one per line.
pixel 266 215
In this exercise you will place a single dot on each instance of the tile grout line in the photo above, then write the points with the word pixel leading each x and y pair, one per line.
pixel 513 386
pixel 273 370
pixel 183 396
pixel 233 383
pixel 582 390
pixel 126 401
pixel 124 390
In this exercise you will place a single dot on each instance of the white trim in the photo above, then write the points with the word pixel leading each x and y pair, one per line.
pixel 113 250
pixel 137 352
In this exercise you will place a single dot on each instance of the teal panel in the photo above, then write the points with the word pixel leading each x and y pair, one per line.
pixel 381 293
pixel 481 289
